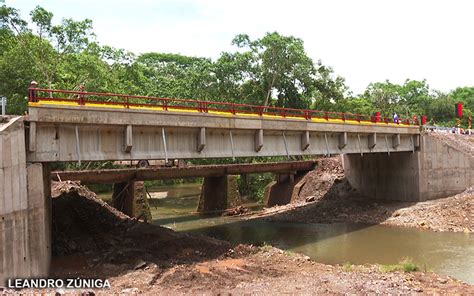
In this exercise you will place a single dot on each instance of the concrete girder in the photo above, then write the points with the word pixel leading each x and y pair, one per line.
pixel 98 143
pixel 99 135
pixel 258 140
pixel 128 139
pixel 201 139
pixel 372 140
pixel 305 142
pixel 342 140
pixel 396 140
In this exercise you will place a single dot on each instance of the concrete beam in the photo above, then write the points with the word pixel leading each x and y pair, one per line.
pixel 372 140
pixel 123 175
pixel 305 140
pixel 98 143
pixel 258 140
pixel 342 141
pixel 201 139
pixel 396 140
pixel 128 139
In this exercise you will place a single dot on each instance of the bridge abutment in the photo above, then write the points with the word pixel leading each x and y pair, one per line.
pixel 25 208
pixel 219 193
pixel 435 171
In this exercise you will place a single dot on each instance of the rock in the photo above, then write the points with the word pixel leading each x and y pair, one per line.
pixel 140 264
pixel 130 291
pixel 310 198
pixel 443 281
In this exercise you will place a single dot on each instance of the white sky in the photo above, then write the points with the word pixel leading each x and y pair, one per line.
pixel 363 40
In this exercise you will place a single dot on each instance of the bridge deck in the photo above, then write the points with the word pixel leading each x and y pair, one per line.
pixel 68 129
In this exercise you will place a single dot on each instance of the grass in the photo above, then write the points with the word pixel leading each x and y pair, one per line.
pixel 347 266
pixel 406 264
pixel 265 247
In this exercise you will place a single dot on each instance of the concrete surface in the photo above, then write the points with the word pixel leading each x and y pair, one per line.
pixel 25 242
pixel 283 189
pixel 218 194
pixel 110 176
pixel 72 134
pixel 436 171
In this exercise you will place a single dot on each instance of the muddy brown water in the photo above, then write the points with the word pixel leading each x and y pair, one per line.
pixel 444 253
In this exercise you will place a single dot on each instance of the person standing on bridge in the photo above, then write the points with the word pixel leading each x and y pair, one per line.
pixel 32 91
pixel 395 117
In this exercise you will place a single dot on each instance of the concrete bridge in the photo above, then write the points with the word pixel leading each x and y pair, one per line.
pixel 382 159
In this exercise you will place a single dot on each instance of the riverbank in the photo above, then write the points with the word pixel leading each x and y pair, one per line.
pixel 328 198
pixel 267 270
pixel 136 257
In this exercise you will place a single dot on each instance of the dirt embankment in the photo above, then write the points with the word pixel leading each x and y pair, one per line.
pixel 327 197
pixel 93 240
pixel 463 143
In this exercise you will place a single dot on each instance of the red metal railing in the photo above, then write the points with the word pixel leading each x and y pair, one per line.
pixel 127 101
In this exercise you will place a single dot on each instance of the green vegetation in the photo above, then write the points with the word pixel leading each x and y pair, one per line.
pixel 273 70
pixel 347 266
pixel 406 264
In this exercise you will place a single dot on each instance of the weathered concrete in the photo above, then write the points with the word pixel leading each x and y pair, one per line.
pixel 218 194
pixel 436 171
pixel 283 189
pixel 123 197
pixel 444 170
pixel 25 242
pixel 163 173
pixel 85 133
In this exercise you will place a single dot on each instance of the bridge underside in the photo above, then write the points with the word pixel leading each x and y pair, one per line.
pixel 123 175
pixel 74 134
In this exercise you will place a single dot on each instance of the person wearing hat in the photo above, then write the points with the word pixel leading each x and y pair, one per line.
pixel 32 91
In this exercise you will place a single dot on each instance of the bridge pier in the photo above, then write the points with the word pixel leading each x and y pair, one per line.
pixel 130 198
pixel 219 193
pixel 283 189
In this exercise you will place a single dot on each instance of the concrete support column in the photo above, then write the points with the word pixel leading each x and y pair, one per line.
pixel 219 193
pixel 130 198
pixel 123 197
pixel 283 189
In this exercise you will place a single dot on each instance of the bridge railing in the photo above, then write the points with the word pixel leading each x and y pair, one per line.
pixel 82 98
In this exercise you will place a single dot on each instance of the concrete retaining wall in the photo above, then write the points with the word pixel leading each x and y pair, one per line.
pixel 24 209
pixel 444 170
pixel 436 171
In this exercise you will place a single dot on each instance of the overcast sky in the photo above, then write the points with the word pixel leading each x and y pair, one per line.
pixel 363 40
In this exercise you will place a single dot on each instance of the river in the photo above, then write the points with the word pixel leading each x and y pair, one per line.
pixel 442 252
